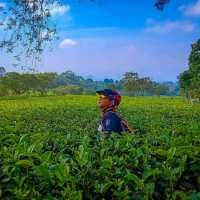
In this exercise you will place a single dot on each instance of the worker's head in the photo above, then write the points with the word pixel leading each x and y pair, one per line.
pixel 108 98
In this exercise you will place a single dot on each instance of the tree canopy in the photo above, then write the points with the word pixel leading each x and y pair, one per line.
pixel 28 28
pixel 190 79
pixel 160 4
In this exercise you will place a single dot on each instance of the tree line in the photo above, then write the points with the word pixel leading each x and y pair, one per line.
pixel 49 83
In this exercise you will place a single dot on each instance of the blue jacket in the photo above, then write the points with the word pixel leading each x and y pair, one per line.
pixel 110 122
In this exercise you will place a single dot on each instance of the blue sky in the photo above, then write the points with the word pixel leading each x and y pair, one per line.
pixel 107 38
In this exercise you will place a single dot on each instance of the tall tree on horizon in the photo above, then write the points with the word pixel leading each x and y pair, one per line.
pixel 190 79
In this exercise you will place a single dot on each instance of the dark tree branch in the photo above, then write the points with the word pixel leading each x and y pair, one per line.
pixel 160 4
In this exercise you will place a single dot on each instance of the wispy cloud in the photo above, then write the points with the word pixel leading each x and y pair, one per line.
pixel 191 9
pixel 170 26
pixel 57 9
pixel 67 42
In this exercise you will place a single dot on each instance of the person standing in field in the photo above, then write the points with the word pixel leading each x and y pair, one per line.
pixel 111 121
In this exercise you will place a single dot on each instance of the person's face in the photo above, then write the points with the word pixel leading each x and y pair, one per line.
pixel 104 102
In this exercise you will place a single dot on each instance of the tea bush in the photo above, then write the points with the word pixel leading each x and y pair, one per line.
pixel 50 149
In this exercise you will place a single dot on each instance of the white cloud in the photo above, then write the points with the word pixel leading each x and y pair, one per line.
pixel 171 26
pixel 57 9
pixel 2 5
pixel 191 9
pixel 67 42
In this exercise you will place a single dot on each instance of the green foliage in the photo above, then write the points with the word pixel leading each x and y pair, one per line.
pixel 39 84
pixel 71 89
pixel 2 71
pixel 50 149
pixel 17 84
pixel 136 86
pixel 161 89
pixel 28 30
pixel 190 79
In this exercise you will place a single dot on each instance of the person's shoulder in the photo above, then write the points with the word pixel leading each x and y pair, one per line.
pixel 111 122
pixel 112 115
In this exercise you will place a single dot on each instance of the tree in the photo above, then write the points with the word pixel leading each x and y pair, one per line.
pixel 2 71
pixel 3 88
pixel 173 88
pixel 29 27
pixel 69 78
pixel 109 83
pixel 130 82
pixel 185 80
pixel 46 81
pixel 71 89
pixel 161 89
pixel 146 86
pixel 134 85
pixel 160 4
pixel 190 79
pixel 13 83
pixel 108 80
pixel 17 84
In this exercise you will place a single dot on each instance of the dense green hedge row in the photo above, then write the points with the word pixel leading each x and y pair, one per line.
pixel 50 149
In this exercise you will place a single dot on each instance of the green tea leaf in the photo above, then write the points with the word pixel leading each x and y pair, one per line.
pixel 24 163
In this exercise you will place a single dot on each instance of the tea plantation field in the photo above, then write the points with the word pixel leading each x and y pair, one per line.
pixel 50 149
